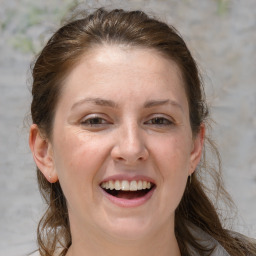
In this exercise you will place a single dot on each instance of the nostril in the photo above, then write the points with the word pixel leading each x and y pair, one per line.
pixel 129 156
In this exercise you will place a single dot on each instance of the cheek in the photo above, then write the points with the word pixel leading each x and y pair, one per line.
pixel 76 151
pixel 173 154
pixel 77 160
pixel 173 160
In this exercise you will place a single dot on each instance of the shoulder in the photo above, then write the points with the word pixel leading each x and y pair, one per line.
pixel 56 253
pixel 36 253
pixel 243 237
pixel 248 243
pixel 207 242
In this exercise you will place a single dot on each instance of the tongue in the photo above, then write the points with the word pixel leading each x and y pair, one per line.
pixel 130 194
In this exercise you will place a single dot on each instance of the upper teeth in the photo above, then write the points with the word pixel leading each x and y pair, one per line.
pixel 125 185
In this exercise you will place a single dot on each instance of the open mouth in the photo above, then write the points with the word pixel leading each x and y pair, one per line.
pixel 127 189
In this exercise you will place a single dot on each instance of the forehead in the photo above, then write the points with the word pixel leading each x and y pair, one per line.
pixel 120 60
pixel 130 56
pixel 112 70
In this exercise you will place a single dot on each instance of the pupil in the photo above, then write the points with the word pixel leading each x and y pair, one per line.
pixel 158 121
pixel 95 121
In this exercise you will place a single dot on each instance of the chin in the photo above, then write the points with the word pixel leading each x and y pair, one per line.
pixel 130 229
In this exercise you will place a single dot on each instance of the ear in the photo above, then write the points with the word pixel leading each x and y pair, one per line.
pixel 197 149
pixel 42 152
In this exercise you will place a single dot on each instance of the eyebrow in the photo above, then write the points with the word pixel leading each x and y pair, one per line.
pixel 112 104
pixel 154 103
pixel 96 101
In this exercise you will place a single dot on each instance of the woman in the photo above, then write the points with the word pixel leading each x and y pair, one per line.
pixel 118 134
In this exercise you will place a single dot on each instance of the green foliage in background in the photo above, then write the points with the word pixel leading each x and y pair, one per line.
pixel 22 22
pixel 222 6
pixel 26 22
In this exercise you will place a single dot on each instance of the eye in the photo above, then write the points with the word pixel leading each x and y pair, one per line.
pixel 94 121
pixel 161 121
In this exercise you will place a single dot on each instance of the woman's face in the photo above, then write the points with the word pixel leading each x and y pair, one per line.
pixel 122 146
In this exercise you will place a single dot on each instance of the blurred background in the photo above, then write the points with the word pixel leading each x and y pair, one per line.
pixel 221 35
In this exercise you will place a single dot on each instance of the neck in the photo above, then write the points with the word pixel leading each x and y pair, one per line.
pixel 161 243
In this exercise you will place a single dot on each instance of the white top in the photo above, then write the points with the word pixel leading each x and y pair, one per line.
pixel 204 239
pixel 208 242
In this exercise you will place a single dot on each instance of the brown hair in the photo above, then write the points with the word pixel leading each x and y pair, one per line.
pixel 133 28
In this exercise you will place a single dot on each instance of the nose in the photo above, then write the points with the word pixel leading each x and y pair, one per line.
pixel 129 145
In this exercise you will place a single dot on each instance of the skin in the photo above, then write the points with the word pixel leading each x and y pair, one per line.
pixel 93 140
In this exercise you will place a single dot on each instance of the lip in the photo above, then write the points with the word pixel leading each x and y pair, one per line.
pixel 128 203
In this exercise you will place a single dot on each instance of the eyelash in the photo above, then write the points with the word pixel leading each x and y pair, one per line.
pixel 90 122
pixel 97 121
pixel 163 121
